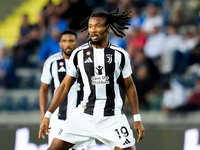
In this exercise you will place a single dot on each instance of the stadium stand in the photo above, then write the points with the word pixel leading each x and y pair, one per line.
pixel 9 28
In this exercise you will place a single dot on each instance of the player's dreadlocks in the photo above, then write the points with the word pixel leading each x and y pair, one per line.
pixel 116 21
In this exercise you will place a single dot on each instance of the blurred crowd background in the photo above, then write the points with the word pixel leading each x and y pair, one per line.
pixel 163 42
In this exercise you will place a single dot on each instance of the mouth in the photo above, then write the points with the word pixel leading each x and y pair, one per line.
pixel 68 49
pixel 94 36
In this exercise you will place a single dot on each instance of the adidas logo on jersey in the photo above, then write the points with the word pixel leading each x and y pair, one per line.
pixel 89 60
pixel 126 142
pixel 62 69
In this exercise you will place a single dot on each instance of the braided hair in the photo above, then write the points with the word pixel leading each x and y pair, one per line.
pixel 117 21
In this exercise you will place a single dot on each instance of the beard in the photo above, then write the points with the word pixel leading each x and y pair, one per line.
pixel 98 42
pixel 67 54
pixel 95 42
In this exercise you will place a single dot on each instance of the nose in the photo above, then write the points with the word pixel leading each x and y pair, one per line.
pixel 93 29
pixel 66 43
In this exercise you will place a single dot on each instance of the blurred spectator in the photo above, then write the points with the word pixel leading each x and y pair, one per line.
pixel 135 43
pixel 145 76
pixel 192 103
pixel 44 20
pixel 136 18
pixel 154 97
pixel 62 8
pixel 155 44
pixel 171 44
pixel 152 19
pixel 180 10
pixel 187 74
pixel 143 85
pixel 48 9
pixel 166 11
pixel 24 29
pixel 22 51
pixel 182 54
pixel 43 27
pixel 8 78
pixel 152 70
pixel 189 40
pixel 173 96
pixel 57 22
pixel 50 46
pixel 76 13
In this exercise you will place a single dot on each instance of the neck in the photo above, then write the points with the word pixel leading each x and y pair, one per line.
pixel 65 56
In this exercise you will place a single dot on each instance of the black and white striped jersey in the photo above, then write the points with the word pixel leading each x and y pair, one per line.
pixel 102 72
pixel 54 70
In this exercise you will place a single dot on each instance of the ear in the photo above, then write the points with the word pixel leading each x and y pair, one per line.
pixel 108 28
pixel 60 44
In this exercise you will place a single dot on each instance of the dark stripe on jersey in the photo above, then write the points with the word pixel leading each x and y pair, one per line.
pixel 120 79
pixel 52 88
pixel 88 58
pixel 80 92
pixel 52 83
pixel 122 91
pixel 62 108
pixel 75 59
pixel 122 60
pixel 51 69
pixel 109 56
pixel 79 80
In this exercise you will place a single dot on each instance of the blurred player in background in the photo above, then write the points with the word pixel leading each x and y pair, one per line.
pixel 54 70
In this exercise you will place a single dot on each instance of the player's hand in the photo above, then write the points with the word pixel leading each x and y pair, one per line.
pixel 44 128
pixel 140 130
pixel 42 117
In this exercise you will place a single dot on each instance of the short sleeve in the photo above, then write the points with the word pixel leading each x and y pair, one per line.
pixel 127 70
pixel 46 76
pixel 72 69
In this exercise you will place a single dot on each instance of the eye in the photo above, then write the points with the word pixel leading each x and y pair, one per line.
pixel 98 26
pixel 71 41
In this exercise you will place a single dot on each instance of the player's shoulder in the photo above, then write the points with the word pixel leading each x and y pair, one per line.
pixel 81 47
pixel 54 57
pixel 117 48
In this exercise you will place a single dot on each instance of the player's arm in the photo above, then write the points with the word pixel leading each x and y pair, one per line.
pixel 61 92
pixel 43 98
pixel 58 98
pixel 133 100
